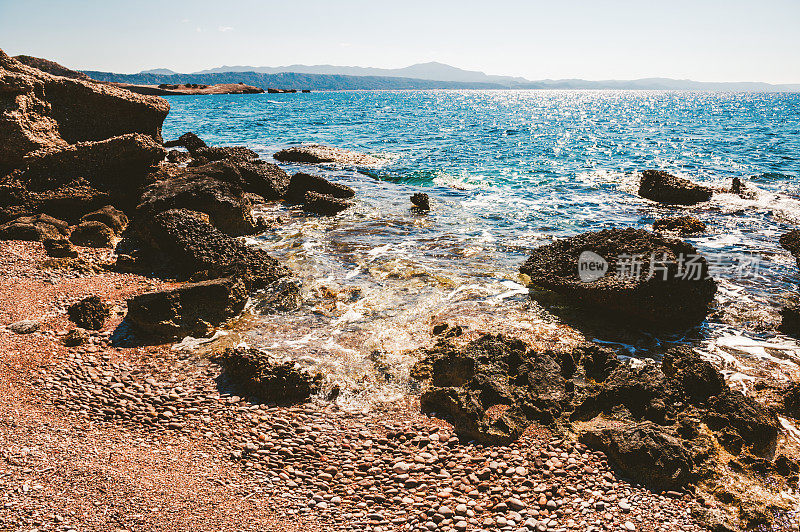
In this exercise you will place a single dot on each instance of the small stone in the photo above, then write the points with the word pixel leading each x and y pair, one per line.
pixel 630 526
pixel 24 327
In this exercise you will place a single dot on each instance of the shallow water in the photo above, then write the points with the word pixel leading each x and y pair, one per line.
pixel 509 171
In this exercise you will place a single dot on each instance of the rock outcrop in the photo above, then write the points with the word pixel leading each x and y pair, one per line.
pixel 191 309
pixel 420 202
pixel 649 280
pixel 684 225
pixel 662 425
pixel 665 188
pixel 258 374
pixel 115 219
pixel 43 111
pixel 34 228
pixel 791 242
pixel 51 67
pixel 92 234
pixel 317 153
pixel 194 246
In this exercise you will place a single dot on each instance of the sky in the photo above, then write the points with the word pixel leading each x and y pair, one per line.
pixel 703 40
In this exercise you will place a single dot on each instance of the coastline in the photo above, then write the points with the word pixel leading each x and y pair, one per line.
pixel 386 467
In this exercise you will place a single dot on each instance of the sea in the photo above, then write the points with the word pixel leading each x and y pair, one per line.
pixel 508 171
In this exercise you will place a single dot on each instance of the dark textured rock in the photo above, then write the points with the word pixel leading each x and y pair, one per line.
pixel 113 218
pixel 191 309
pixel 259 375
pixel 693 379
pixel 51 67
pixel 177 156
pixel 34 228
pixel 684 225
pixel 92 234
pixel 733 412
pixel 324 204
pixel 661 295
pixel 644 451
pixel 65 202
pixel 791 242
pixel 495 386
pixel 665 188
pixel 316 153
pixel 191 244
pixel 421 202
pixel 89 313
pixel 116 166
pixel 75 337
pixel 208 189
pixel 188 140
pixel 59 248
pixel 218 153
pixel 51 112
pixel 301 183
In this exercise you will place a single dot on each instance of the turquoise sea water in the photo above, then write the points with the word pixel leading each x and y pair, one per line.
pixel 507 171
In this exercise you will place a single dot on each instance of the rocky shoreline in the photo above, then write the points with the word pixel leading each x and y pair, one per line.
pixel 136 243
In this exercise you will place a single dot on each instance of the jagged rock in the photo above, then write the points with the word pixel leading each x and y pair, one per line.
pixel 218 153
pixel 647 452
pixel 324 204
pixel 191 309
pixel 34 228
pixel 92 234
pixel 671 291
pixel 89 313
pixel 665 188
pixel 504 375
pixel 207 189
pixel 301 184
pixel 421 202
pixel 188 140
pixel 742 420
pixel 65 202
pixel 684 225
pixel 177 156
pixel 43 111
pixel 24 327
pixel 694 379
pixel 193 245
pixel 75 337
pixel 258 374
pixel 316 153
pixel 59 248
pixel 113 218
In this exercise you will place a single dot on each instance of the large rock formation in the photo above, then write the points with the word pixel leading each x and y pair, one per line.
pixel 647 279
pixel 317 153
pixel 43 111
pixel 666 426
pixel 665 188
pixel 34 228
pixel 51 67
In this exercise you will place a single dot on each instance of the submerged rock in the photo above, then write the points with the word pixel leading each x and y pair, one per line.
pixel 421 202
pixel 89 313
pixel 317 153
pixel 685 225
pixel 324 204
pixel 665 188
pixel 191 309
pixel 790 320
pixel 632 274
pixel 791 242
pixel 258 374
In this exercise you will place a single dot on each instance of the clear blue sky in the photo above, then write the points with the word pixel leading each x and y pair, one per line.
pixel 706 40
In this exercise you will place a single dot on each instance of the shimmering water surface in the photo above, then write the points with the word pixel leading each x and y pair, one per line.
pixel 509 171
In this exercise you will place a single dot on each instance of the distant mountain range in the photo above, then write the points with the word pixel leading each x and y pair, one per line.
pixel 420 76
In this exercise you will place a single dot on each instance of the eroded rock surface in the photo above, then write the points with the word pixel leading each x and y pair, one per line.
pixel 665 188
